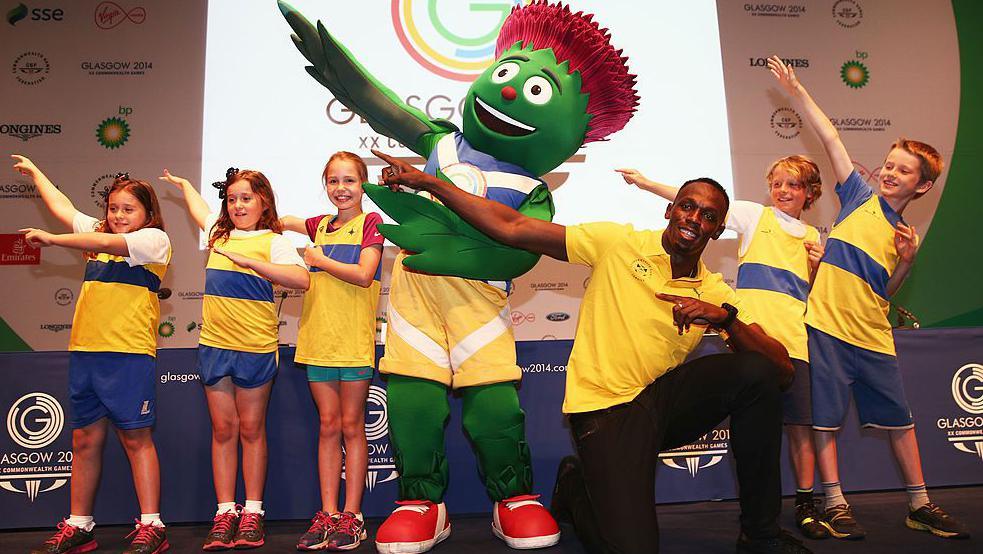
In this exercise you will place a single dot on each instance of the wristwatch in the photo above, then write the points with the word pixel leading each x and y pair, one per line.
pixel 731 316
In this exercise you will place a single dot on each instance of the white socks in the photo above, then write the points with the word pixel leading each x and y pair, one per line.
pixel 834 495
pixel 151 519
pixel 224 507
pixel 254 506
pixel 85 523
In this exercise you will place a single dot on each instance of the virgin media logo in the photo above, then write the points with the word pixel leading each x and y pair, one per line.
pixel 110 14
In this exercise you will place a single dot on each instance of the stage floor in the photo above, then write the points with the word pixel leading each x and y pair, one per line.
pixel 686 528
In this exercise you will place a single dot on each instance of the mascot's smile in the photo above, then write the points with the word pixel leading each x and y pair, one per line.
pixel 499 122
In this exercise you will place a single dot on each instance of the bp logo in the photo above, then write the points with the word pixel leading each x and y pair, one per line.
pixel 706 452
pixel 382 464
pixel 34 421
pixel 455 40
pixel 166 328
pixel 965 433
pixel 113 132
pixel 854 74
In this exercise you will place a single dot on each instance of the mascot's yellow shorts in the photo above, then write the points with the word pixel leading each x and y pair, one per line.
pixel 447 329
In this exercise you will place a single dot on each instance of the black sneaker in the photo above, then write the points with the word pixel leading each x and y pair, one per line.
pixel 250 533
pixel 322 525
pixel 223 532
pixel 68 539
pixel 147 539
pixel 807 520
pixel 841 524
pixel 348 534
pixel 933 519
pixel 784 543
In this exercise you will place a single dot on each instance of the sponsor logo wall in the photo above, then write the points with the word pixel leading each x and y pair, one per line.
pixel 92 88
pixel 858 73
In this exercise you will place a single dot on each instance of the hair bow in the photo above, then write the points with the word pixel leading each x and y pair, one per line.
pixel 223 186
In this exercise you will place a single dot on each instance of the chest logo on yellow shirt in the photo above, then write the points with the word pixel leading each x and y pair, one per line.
pixel 641 269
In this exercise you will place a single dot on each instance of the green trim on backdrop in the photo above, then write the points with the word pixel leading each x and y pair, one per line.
pixel 10 341
pixel 944 289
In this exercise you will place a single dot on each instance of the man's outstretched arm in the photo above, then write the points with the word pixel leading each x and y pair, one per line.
pixel 496 220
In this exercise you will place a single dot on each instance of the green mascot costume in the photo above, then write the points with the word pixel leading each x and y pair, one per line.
pixel 557 83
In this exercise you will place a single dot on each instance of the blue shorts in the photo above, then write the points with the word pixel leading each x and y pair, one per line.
pixel 320 374
pixel 797 400
pixel 875 379
pixel 247 369
pixel 116 385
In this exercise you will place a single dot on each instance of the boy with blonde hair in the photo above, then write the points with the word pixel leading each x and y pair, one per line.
pixel 869 252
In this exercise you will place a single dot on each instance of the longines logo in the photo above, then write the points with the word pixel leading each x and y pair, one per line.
pixel 794 63
pixel 34 421
pixel 966 433
pixel 847 13
pixel 382 464
pixel 27 131
pixel 706 452
pixel 786 123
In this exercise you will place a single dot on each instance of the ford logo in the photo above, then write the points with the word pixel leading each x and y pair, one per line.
pixel 558 316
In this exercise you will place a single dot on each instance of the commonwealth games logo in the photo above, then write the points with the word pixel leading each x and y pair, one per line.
pixel 707 451
pixel 382 464
pixel 965 433
pixel 34 421
pixel 455 40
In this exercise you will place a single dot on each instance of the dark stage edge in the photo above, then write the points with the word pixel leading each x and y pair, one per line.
pixel 694 527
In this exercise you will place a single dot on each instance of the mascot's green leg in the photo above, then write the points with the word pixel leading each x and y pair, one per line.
pixel 496 424
pixel 418 411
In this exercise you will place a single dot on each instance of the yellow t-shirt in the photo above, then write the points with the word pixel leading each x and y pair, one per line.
pixel 849 296
pixel 773 281
pixel 625 336
pixel 337 325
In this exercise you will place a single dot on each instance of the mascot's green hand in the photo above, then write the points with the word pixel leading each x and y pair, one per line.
pixel 336 69
pixel 445 244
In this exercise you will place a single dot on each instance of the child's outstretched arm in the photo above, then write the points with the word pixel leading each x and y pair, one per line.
pixel 361 274
pixel 839 158
pixel 294 223
pixel 634 177
pixel 109 243
pixel 56 201
pixel 286 275
pixel 196 204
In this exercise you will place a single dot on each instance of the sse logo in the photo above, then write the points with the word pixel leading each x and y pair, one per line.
pixel 457 41
pixel 21 11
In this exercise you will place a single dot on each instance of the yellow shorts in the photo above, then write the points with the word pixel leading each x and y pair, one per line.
pixel 447 329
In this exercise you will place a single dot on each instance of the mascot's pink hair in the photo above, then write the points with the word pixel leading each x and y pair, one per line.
pixel 576 39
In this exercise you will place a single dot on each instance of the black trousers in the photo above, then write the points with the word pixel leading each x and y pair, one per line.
pixel 611 499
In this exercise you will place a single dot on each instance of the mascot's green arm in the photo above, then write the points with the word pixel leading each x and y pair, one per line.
pixel 445 244
pixel 336 68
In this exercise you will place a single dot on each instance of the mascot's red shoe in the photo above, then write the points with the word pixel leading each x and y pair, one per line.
pixel 415 526
pixel 522 522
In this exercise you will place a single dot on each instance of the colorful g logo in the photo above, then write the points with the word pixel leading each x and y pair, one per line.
pixel 425 32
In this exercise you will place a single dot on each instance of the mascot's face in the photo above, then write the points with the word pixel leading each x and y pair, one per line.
pixel 527 110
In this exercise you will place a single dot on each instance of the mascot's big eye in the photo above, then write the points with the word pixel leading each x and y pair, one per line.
pixel 537 90
pixel 505 72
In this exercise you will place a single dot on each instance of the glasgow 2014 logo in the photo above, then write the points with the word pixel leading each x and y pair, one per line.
pixel 965 433
pixel 382 464
pixel 707 451
pixel 455 40
pixel 34 421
